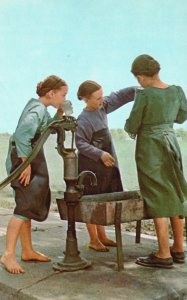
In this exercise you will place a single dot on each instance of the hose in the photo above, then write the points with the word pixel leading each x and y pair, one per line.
pixel 66 123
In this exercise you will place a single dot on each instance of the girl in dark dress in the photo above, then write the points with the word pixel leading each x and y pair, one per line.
pixel 31 189
pixel 95 148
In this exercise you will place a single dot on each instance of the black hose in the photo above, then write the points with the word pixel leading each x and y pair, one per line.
pixel 66 123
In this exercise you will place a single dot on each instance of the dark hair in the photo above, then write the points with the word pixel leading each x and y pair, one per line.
pixel 50 83
pixel 145 65
pixel 87 88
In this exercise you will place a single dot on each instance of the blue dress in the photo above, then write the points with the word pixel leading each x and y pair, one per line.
pixel 93 137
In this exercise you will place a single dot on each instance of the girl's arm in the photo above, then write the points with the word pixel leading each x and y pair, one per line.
pixel 56 117
pixel 182 113
pixel 118 99
pixel 24 134
pixel 134 121
pixel 83 138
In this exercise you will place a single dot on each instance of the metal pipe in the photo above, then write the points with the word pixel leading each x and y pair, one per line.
pixel 108 197
pixel 74 189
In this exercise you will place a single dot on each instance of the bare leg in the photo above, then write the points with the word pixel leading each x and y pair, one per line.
pixel 8 258
pixel 28 253
pixel 103 237
pixel 95 243
pixel 162 231
pixel 177 227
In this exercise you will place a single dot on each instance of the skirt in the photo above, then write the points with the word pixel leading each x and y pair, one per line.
pixel 32 201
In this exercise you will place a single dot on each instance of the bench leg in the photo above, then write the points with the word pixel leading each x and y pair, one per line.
pixel 138 231
pixel 118 236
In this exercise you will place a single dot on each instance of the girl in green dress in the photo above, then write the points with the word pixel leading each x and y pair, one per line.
pixel 158 158
pixel 31 189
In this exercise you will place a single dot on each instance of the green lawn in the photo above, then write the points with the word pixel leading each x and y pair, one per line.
pixel 124 146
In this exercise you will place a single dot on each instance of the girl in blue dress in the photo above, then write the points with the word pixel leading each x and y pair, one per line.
pixel 95 148
pixel 31 189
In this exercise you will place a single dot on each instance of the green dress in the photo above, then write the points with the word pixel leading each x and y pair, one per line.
pixel 158 157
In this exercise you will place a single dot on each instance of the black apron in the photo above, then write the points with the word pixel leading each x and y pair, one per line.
pixel 32 201
pixel 108 178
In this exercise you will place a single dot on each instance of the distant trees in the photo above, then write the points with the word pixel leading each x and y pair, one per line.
pixel 119 133
pixel 181 133
pixel 5 134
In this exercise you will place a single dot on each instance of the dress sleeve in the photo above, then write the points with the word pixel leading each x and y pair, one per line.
pixel 117 99
pixel 83 138
pixel 25 132
pixel 134 121
pixel 182 113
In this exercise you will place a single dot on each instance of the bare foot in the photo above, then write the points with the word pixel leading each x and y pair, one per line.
pixel 10 264
pixel 34 256
pixel 108 242
pixel 98 246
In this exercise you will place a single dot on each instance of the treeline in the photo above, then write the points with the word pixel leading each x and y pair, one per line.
pixel 181 132
pixel 6 134
pixel 120 133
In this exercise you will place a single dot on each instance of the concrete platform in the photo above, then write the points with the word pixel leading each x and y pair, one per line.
pixel 100 281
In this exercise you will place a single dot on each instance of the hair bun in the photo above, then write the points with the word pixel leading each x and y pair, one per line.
pixel 39 88
pixel 145 65
pixel 50 83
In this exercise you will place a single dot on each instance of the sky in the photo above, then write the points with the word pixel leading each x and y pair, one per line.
pixel 82 39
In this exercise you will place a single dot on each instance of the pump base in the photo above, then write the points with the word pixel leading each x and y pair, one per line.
pixel 71 266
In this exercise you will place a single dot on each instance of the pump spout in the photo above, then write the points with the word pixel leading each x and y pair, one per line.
pixel 82 176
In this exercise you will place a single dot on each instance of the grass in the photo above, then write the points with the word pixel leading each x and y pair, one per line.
pixel 124 146
pixel 125 149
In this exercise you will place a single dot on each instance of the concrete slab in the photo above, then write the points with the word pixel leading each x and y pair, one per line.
pixel 100 281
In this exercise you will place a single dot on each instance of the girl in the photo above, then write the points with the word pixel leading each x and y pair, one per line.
pixel 158 158
pixel 31 189
pixel 96 151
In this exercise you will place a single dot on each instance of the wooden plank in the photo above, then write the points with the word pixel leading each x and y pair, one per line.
pixel 118 212
pixel 103 213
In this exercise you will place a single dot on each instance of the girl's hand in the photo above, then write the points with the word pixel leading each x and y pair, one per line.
pixel 107 159
pixel 25 175
pixel 60 112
